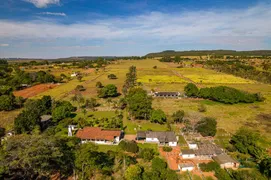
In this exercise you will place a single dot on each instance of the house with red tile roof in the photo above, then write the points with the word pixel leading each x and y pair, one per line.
pixel 98 135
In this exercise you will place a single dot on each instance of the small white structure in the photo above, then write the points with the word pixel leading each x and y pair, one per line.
pixel 70 129
pixel 192 145
pixel 186 167
pixel 74 74
pixel 188 154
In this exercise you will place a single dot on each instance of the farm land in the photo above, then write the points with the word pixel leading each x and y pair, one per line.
pixel 153 75
pixel 165 78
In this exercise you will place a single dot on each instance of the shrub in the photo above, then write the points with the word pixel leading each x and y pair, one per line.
pixel 112 76
pixel 202 108
pixel 80 88
pixel 129 146
pixel 99 85
pixel 158 116
pixel 109 90
pixel 207 126
pixel 207 167
pixel 147 154
pixel 167 149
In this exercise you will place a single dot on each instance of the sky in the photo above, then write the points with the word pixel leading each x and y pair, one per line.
pixel 64 28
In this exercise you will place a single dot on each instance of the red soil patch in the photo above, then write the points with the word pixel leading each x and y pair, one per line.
pixel 34 90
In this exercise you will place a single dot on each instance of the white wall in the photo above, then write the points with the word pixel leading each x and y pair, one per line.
pixel 117 139
pixel 172 143
pixel 193 146
pixel 186 168
pixel 188 156
pixel 152 140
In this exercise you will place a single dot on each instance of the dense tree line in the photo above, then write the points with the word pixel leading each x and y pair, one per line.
pixel 210 52
pixel 238 69
pixel 222 94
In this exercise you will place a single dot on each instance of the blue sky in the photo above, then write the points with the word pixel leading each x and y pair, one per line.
pixel 63 28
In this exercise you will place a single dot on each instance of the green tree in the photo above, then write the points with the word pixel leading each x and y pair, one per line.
pixel 247 141
pixel 158 116
pixel 26 121
pixel 129 146
pixel 158 164
pixel 91 103
pixel 32 156
pixel 99 85
pixel 88 160
pixel 191 90
pixel 211 166
pixel 109 90
pixel 7 102
pixel 133 173
pixel 112 76
pixel 178 116
pixel 265 167
pixel 62 110
pixel 147 154
pixel 139 103
pixel 207 126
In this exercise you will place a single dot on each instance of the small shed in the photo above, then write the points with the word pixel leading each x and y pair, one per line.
pixel 45 120
pixel 188 154
pixel 186 167
pixel 225 161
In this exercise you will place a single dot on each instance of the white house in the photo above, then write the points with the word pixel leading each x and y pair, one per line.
pixel 186 167
pixel 188 154
pixel 99 136
pixel 159 137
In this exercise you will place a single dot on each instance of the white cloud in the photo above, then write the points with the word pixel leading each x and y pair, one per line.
pixel 247 28
pixel 53 13
pixel 4 45
pixel 43 3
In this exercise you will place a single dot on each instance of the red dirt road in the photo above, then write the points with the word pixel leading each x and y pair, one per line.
pixel 34 90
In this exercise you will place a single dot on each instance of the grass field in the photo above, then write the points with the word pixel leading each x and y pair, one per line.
pixel 201 75
pixel 163 78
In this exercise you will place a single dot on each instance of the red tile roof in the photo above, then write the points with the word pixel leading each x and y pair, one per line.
pixel 97 133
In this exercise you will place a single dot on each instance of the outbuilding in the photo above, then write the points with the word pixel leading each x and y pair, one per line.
pixel 188 154
pixel 225 161
pixel 186 167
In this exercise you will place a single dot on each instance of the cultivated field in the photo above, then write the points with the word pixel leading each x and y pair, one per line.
pixel 165 77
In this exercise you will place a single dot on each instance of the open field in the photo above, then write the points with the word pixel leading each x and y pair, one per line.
pixel 203 76
pixel 163 78
pixel 7 118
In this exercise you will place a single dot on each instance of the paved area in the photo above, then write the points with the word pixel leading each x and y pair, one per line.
pixel 130 137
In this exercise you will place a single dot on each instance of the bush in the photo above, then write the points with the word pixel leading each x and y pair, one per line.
pixel 99 85
pixel 202 108
pixel 129 146
pixel 207 167
pixel 147 154
pixel 109 90
pixel 158 116
pixel 167 149
pixel 80 88
pixel 112 76
pixel 207 126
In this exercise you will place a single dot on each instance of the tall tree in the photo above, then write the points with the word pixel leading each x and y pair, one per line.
pixel 139 103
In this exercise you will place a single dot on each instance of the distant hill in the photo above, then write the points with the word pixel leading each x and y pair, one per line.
pixel 210 52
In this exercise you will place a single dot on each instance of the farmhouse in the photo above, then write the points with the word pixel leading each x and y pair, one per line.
pixel 225 161
pixel 188 154
pixel 186 167
pixel 160 137
pixel 99 136
pixel 166 94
